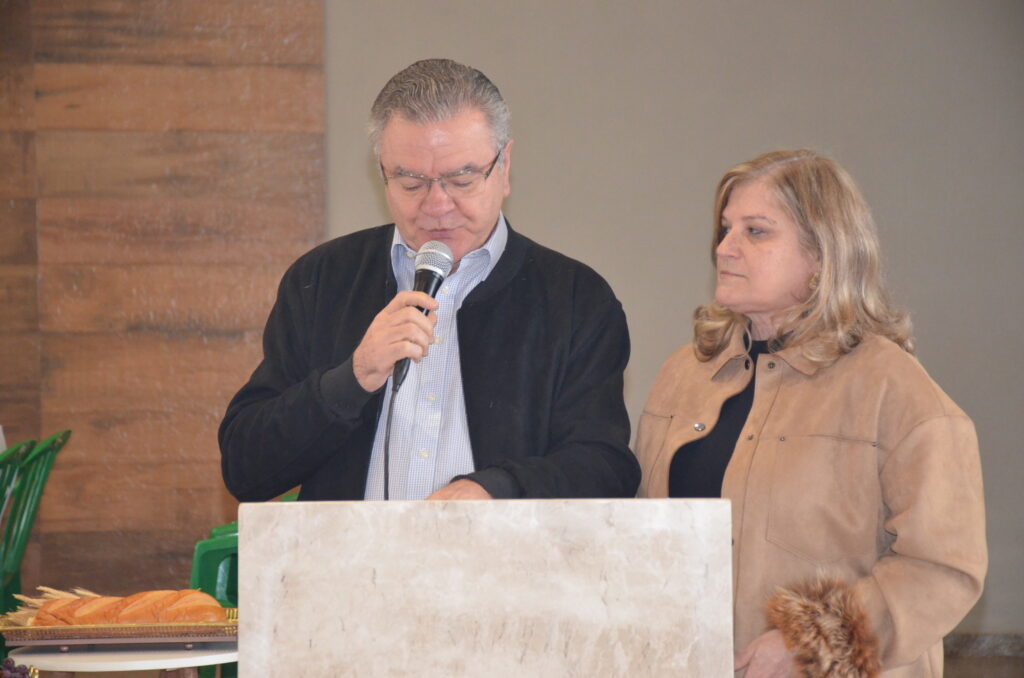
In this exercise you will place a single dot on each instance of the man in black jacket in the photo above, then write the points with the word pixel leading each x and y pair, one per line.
pixel 515 386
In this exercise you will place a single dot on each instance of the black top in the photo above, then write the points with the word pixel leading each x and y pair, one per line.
pixel 698 467
pixel 542 348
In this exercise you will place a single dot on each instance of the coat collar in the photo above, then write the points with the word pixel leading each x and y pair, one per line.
pixel 795 358
pixel 504 270
pixel 738 348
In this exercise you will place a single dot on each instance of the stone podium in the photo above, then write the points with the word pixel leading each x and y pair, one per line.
pixel 531 588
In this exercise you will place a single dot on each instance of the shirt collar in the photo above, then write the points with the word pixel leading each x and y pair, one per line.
pixel 403 256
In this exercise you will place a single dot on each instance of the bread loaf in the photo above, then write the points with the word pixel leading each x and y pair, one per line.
pixel 192 607
pixel 96 610
pixel 147 607
pixel 51 613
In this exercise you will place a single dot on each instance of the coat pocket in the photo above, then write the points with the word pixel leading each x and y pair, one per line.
pixel 826 498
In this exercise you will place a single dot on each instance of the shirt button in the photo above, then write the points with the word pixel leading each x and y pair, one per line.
pixel 409 254
pixel 771 366
pixel 431 397
pixel 699 426
pixel 782 439
pixel 444 290
pixel 750 437
pixel 438 339
pixel 424 454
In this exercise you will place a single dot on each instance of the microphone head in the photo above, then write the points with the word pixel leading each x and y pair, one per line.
pixel 435 256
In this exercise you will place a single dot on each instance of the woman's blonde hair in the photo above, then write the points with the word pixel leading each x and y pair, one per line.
pixel 848 298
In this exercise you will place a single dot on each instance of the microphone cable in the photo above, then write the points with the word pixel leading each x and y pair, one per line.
pixel 433 264
pixel 387 437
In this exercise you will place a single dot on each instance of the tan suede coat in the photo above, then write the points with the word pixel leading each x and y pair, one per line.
pixel 864 470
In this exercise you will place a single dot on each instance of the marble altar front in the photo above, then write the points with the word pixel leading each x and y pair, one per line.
pixel 506 588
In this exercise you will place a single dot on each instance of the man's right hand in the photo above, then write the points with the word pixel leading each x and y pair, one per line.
pixel 399 331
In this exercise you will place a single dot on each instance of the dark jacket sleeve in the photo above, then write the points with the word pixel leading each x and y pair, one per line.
pixel 566 432
pixel 293 414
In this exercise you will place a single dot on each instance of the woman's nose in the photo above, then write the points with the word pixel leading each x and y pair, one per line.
pixel 726 246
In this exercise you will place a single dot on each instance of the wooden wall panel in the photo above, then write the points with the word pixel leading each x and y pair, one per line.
pixel 16 32
pixel 206 230
pixel 18 232
pixel 162 435
pixel 116 372
pixel 168 157
pixel 18 299
pixel 20 412
pixel 156 298
pixel 131 561
pixel 22 371
pixel 20 377
pixel 17 164
pixel 194 32
pixel 18 257
pixel 262 167
pixel 19 321
pixel 110 469
pixel 235 98
pixel 159 494
pixel 17 97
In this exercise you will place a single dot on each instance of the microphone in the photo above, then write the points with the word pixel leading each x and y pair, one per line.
pixel 433 263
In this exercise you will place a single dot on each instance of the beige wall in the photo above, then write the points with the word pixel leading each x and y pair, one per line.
pixel 626 114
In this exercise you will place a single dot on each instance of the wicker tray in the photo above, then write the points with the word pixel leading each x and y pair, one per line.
pixel 107 634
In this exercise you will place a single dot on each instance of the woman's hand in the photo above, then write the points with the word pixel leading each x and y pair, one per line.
pixel 766 657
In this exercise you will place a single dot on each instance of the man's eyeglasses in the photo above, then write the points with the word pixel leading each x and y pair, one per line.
pixel 463 183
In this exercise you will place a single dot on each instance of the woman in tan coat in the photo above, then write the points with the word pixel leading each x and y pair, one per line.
pixel 858 516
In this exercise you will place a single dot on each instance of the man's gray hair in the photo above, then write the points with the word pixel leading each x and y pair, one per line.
pixel 433 90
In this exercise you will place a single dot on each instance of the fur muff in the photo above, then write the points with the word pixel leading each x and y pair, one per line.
pixel 826 629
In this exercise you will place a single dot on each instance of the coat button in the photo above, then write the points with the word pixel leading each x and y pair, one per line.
pixel 699 426
pixel 771 366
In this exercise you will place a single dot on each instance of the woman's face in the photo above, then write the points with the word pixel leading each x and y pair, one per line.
pixel 762 269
